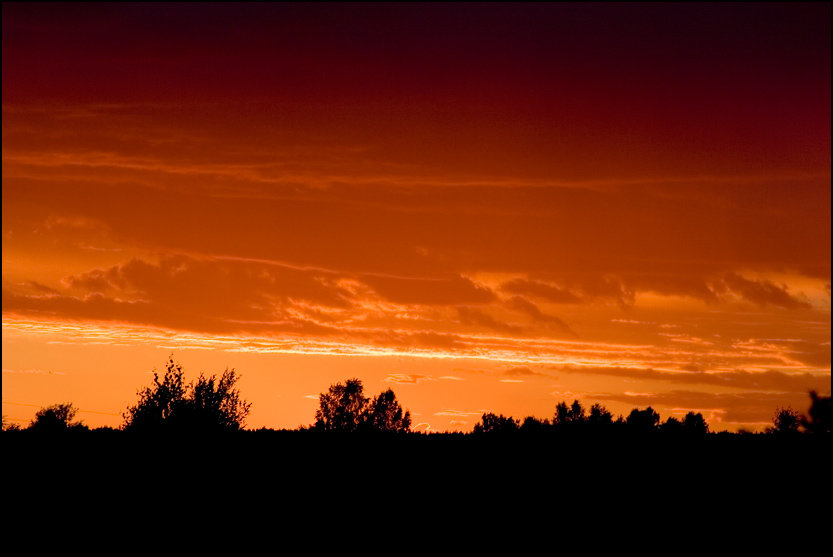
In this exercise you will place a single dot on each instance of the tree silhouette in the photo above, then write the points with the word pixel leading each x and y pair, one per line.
pixel 643 421
pixel 695 425
pixel 345 408
pixel 573 414
pixel 9 426
pixel 820 419
pixel 169 404
pixel 532 425
pixel 599 416
pixel 672 426
pixel 215 404
pixel 785 422
pixel 576 413
pixel 160 403
pixel 342 407
pixel 495 423
pixel 562 414
pixel 386 414
pixel 55 418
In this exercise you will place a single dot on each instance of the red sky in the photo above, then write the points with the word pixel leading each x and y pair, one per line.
pixel 488 207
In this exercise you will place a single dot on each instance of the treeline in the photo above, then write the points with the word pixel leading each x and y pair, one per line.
pixel 575 419
pixel 212 404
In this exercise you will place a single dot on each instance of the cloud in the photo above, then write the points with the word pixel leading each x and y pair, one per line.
pixel 771 381
pixel 459 413
pixel 184 293
pixel 42 288
pixel 523 305
pixel 538 289
pixel 413 378
pixel 33 372
pixel 235 290
pixel 78 222
pixel 455 290
pixel 520 371
pixel 478 318
pixel 677 284
pixel 763 292
pixel 607 287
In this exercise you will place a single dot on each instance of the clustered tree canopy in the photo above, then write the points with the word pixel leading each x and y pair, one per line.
pixel 496 423
pixel 345 408
pixel 574 419
pixel 209 404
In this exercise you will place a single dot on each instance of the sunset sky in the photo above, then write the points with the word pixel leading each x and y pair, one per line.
pixel 486 207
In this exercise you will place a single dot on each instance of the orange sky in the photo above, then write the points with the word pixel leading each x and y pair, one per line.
pixel 487 207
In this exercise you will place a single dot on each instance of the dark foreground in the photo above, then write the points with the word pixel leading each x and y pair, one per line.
pixel 448 465
pixel 422 494
pixel 425 494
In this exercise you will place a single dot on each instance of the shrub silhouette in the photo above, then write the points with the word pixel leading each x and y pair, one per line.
pixel 169 404
pixel 56 418
pixel 345 408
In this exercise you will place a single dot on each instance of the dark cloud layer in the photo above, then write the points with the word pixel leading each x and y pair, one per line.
pixel 771 381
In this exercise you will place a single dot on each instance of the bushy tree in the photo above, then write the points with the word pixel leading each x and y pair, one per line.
pixel 161 403
pixel 576 413
pixel 55 418
pixel 599 416
pixel 345 408
pixel 216 404
pixel 573 414
pixel 785 421
pixel 820 419
pixel 695 425
pixel 643 420
pixel 386 414
pixel 531 424
pixel 672 426
pixel 496 423
pixel 9 425
pixel 342 408
pixel 562 413
pixel 209 404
